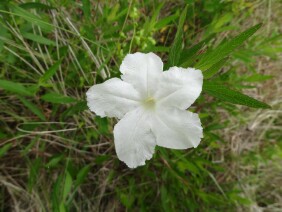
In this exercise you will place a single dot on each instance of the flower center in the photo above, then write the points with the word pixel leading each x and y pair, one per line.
pixel 149 103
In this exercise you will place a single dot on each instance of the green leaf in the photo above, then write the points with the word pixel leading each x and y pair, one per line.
pixel 62 207
pixel 258 78
pixel 30 17
pixel 225 48
pixel 38 39
pixel 57 98
pixel 3 3
pixel 28 147
pixel 215 68
pixel 164 198
pixel 86 7
pixel 5 149
pixel 56 193
pixel 165 21
pixel 101 159
pixel 14 87
pixel 187 165
pixel 150 23
pixel 33 108
pixel 2 135
pixel 34 170
pixel 190 55
pixel 156 49
pixel 50 72
pixel 1 46
pixel 75 109
pixel 54 161
pixel 82 174
pixel 225 94
pixel 112 16
pixel 67 185
pixel 175 51
pixel 103 125
pixel 35 5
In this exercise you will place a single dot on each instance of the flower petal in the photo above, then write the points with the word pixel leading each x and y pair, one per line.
pixel 179 87
pixel 142 71
pixel 134 141
pixel 113 98
pixel 177 129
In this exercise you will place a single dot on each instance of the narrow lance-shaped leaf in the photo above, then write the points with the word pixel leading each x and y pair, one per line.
pixel 225 94
pixel 75 109
pixel 67 186
pixel 165 21
pixel 215 68
pixel 38 39
pixel 82 174
pixel 86 7
pixel 54 161
pixel 33 108
pixel 5 149
pixel 36 5
pixel 258 78
pixel 175 51
pixel 50 72
pixel 190 55
pixel 34 170
pixel 30 17
pixel 151 22
pixel 212 57
pixel 57 98
pixel 15 87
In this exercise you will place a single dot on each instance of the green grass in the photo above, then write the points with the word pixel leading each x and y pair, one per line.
pixel 55 155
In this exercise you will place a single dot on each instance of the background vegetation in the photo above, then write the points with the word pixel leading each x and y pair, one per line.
pixel 55 155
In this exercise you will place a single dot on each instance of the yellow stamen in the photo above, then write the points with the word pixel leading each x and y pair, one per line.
pixel 149 103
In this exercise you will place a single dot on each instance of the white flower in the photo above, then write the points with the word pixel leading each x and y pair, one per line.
pixel 151 105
